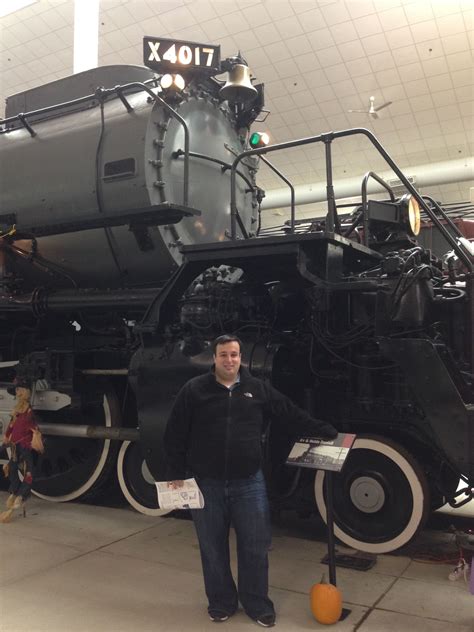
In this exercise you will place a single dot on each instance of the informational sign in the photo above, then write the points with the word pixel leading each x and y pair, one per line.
pixel 321 454
pixel 178 56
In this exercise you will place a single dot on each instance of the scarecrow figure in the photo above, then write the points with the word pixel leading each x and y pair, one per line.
pixel 23 438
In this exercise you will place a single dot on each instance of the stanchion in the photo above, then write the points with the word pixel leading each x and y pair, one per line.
pixel 328 484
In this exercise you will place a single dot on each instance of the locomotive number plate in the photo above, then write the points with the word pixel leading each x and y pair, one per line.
pixel 166 55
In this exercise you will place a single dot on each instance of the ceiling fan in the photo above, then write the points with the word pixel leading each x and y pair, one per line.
pixel 373 110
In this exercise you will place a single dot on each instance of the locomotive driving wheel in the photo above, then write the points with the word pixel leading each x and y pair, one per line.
pixel 72 467
pixel 381 497
pixel 136 481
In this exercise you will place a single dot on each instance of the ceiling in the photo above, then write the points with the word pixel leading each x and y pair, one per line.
pixel 317 59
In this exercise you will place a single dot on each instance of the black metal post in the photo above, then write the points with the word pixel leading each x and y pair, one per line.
pixel 328 482
pixel 331 214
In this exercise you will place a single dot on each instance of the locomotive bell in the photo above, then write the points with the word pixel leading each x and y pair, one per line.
pixel 238 88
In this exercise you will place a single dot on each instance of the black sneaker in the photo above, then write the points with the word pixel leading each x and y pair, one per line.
pixel 218 616
pixel 267 620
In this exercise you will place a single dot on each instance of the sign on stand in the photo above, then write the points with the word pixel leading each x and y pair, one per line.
pixel 321 454
pixel 329 455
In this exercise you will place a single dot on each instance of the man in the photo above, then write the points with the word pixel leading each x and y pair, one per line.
pixel 214 433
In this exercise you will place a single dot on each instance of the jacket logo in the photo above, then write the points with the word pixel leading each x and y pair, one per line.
pixel 248 395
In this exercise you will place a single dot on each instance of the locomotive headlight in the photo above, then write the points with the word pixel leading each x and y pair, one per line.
pixel 412 209
pixel 384 215
pixel 172 82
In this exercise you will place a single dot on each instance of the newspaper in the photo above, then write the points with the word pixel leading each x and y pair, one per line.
pixel 187 497
pixel 321 454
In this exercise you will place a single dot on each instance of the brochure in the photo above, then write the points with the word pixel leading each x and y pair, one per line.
pixel 321 454
pixel 187 497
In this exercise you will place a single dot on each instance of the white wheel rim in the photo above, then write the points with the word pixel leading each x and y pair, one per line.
pixel 415 486
pixel 148 511
pixel 95 474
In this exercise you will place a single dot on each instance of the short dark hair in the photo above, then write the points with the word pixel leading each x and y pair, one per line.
pixel 223 340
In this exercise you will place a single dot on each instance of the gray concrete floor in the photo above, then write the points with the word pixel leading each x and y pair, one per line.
pixel 81 568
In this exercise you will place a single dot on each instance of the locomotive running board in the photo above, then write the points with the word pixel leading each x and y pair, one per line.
pixel 157 215
pixel 332 252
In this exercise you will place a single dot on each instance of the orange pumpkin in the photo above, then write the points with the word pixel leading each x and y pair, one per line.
pixel 326 602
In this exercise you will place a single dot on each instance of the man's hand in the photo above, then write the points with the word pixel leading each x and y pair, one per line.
pixel 175 484
pixel 326 431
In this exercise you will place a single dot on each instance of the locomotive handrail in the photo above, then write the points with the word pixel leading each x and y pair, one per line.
pixel 49 108
pixel 292 192
pixel 327 138
pixel 123 99
pixel 100 94
pixel 332 219
pixel 444 215
pixel 365 213
pixel 225 165
pixel 179 118
pixel 22 118
pixel 63 104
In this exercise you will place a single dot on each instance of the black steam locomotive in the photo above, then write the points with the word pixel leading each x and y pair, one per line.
pixel 130 238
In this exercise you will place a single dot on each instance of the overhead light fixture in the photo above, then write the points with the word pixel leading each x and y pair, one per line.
pixel 10 6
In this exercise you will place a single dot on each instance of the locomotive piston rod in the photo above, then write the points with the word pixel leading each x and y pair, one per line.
pixel 90 432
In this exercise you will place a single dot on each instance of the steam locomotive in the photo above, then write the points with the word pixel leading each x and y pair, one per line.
pixel 130 239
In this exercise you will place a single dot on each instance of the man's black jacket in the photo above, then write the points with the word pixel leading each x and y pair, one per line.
pixel 214 432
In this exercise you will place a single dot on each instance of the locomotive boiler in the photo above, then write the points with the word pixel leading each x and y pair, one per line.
pixel 130 240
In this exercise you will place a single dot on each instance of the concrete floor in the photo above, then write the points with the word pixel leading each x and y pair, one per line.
pixel 81 568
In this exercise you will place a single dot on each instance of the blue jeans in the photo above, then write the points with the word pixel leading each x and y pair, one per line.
pixel 244 504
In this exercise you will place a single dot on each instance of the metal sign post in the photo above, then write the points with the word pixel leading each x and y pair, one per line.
pixel 328 482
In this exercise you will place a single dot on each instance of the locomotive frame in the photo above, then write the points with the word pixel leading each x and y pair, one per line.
pixel 354 320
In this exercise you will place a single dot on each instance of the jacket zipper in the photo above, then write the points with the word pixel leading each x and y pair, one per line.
pixel 227 441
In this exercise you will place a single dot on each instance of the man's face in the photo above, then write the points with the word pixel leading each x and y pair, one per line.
pixel 227 361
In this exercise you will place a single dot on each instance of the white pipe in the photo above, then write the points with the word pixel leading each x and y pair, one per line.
pixel 86 35
pixel 424 175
